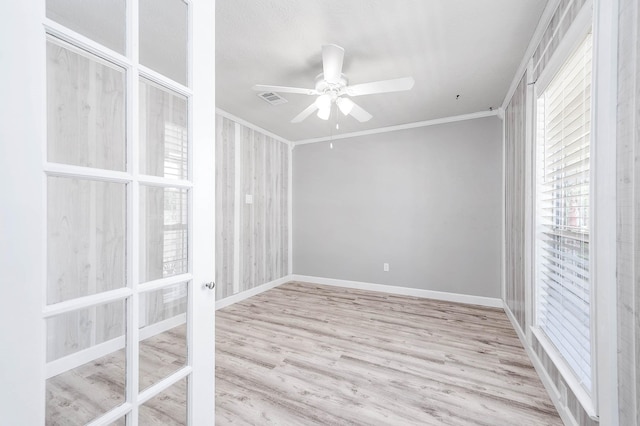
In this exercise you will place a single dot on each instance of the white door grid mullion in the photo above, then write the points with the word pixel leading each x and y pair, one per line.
pixel 163 385
pixel 86 302
pixel 133 335
pixel 149 180
pixel 162 81
pixel 83 45
pixel 69 171
pixel 164 283
pixel 112 416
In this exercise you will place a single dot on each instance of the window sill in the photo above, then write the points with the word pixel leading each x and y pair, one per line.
pixel 569 377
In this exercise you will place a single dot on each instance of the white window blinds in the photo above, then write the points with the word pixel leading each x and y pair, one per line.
pixel 562 210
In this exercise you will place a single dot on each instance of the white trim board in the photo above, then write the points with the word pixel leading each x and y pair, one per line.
pixel 543 23
pixel 605 101
pixel 444 120
pixel 405 291
pixel 239 297
pixel 290 209
pixel 503 214
pixel 245 123
pixel 554 394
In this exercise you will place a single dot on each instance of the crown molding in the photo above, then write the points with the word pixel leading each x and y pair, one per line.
pixel 444 120
pixel 499 112
pixel 253 126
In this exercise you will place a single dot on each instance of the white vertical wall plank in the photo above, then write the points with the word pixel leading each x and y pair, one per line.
pixel 628 212
pixel 247 226
pixel 258 209
pixel 237 197
pixel 225 206
pixel 515 136
pixel 268 264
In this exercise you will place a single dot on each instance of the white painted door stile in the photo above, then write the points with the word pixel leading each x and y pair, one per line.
pixel 84 203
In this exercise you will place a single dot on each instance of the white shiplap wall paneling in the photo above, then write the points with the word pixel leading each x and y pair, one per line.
pixel 252 201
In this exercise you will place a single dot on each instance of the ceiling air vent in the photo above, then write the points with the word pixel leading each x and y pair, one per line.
pixel 272 98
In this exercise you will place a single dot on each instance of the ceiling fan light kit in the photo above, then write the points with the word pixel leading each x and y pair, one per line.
pixel 333 87
pixel 345 105
pixel 324 106
pixel 324 113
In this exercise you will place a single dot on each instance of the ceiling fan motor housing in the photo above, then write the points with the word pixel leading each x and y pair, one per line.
pixel 334 89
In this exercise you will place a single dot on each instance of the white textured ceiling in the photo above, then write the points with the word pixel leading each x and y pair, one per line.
pixel 469 48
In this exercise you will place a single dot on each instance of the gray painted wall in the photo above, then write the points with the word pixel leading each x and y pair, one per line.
pixel 426 200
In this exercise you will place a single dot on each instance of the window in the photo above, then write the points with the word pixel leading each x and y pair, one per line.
pixel 562 212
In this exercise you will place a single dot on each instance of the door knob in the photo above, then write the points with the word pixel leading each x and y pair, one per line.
pixel 210 285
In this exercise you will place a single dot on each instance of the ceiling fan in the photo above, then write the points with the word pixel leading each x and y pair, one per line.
pixel 333 87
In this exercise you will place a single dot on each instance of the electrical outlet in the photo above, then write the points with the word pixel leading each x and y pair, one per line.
pixel 385 267
pixel 248 199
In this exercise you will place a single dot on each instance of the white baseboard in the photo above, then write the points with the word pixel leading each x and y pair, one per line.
pixel 238 297
pixel 405 291
pixel 554 393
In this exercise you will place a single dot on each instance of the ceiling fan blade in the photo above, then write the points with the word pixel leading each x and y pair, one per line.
pixel 304 114
pixel 332 57
pixel 359 114
pixel 284 89
pixel 383 86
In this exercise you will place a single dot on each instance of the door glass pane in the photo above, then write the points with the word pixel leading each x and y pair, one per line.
pixel 101 21
pixel 85 110
pixel 86 237
pixel 163 37
pixel 163 338
pixel 166 408
pixel 85 363
pixel 163 132
pixel 163 232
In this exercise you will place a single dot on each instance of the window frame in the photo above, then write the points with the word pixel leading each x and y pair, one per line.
pixel 581 27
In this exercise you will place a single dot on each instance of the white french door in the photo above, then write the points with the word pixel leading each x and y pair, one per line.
pixel 108 212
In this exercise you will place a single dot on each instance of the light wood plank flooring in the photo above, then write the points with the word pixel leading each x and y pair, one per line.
pixel 78 396
pixel 304 354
